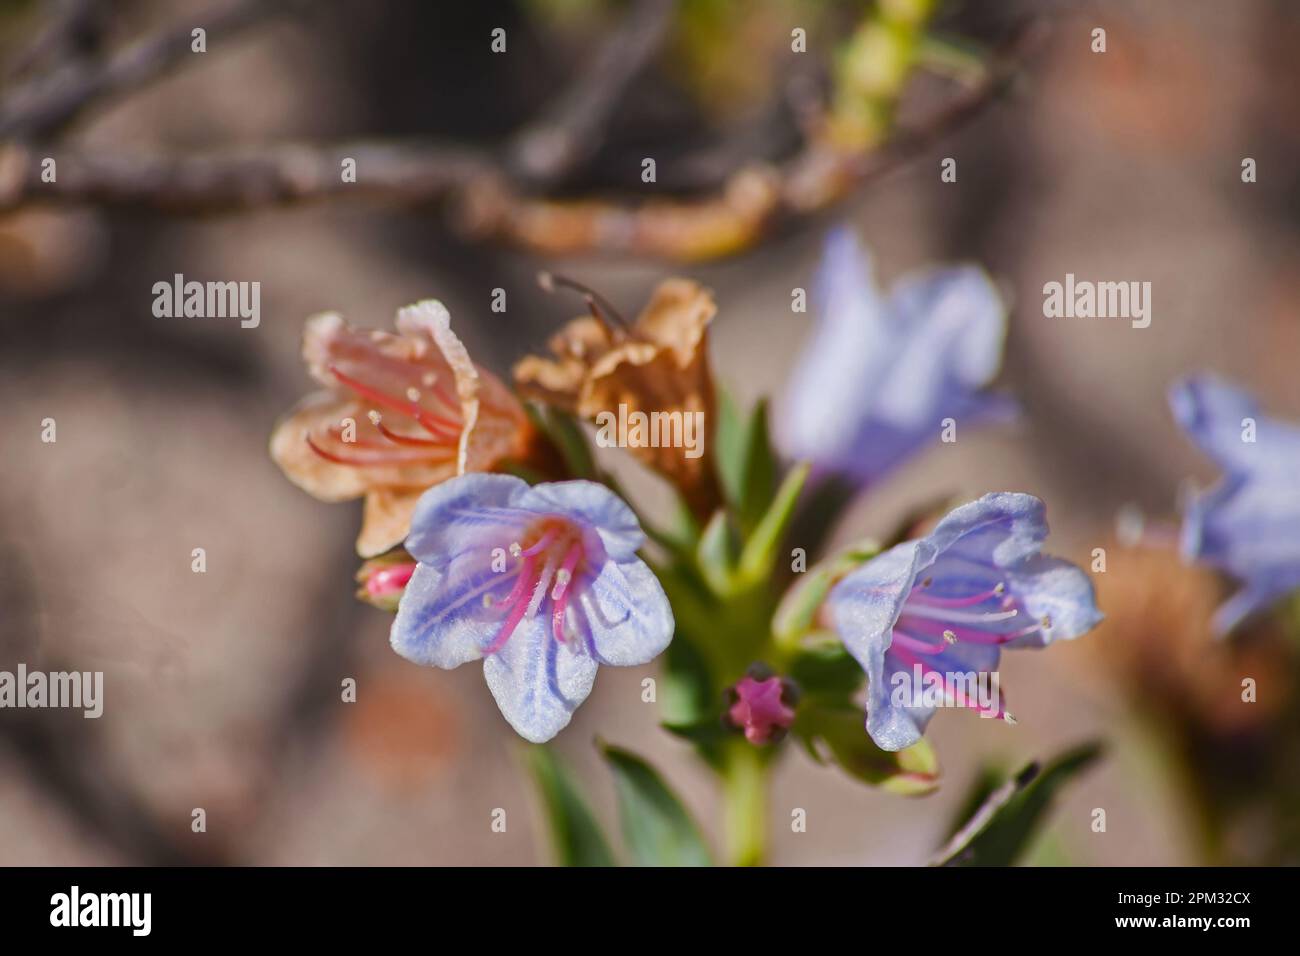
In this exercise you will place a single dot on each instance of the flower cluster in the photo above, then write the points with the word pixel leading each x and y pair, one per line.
pixel 494 533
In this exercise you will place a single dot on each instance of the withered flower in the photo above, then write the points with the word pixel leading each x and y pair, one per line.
pixel 655 369
pixel 403 412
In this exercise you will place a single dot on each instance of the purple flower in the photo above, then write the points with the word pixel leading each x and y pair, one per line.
pixel 882 373
pixel 542 582
pixel 943 607
pixel 1248 525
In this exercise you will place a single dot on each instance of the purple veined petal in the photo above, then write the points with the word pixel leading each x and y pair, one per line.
pixel 1055 591
pixel 475 511
pixel 445 616
pixel 594 506
pixel 625 615
pixel 1213 414
pixel 951 600
pixel 893 726
pixel 538 682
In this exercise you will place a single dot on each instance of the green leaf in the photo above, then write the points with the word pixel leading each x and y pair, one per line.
pixel 1001 829
pixel 575 834
pixel 759 554
pixel 716 554
pixel 656 827
pixel 842 732
pixel 746 463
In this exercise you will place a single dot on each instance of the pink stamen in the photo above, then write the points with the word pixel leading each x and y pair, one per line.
pixel 920 594
pixel 432 423
pixel 391 458
pixel 540 545
pixel 914 643
pixel 560 593
pixel 524 583
pixel 407 439
pixel 929 627
pixel 517 611
pixel 950 689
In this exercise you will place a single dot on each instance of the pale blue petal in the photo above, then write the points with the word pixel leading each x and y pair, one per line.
pixel 538 682
pixel 950 325
pixel 442 619
pixel 895 726
pixel 472 511
pixel 627 617
pixel 1053 589
pixel 1214 413
pixel 878 377
pixel 594 506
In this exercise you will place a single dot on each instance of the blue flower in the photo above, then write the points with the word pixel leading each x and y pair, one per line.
pixel 943 606
pixel 542 583
pixel 882 373
pixel 1247 525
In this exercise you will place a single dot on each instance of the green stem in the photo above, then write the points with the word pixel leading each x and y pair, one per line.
pixel 744 792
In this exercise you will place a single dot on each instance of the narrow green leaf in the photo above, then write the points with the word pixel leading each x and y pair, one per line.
pixel 746 463
pixel 1001 829
pixel 656 827
pixel 716 554
pixel 759 554
pixel 575 834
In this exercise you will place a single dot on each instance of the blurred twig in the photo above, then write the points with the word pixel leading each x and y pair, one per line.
pixel 570 130
pixel 743 206
pixel 43 106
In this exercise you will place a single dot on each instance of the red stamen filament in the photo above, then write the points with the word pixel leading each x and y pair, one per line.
pixel 443 427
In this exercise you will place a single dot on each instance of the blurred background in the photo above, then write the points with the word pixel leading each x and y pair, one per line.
pixel 222 688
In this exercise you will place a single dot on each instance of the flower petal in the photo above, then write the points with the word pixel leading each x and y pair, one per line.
pixel 1058 591
pixel 595 505
pixel 322 479
pixel 442 619
pixel 537 681
pixel 627 615
pixel 474 512
pixel 1213 414
pixel 386 520
pixel 894 726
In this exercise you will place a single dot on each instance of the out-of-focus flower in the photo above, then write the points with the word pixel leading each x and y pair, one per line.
pixel 759 708
pixel 947 604
pixel 1157 643
pixel 403 413
pixel 656 366
pixel 542 583
pixel 1247 525
pixel 882 373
